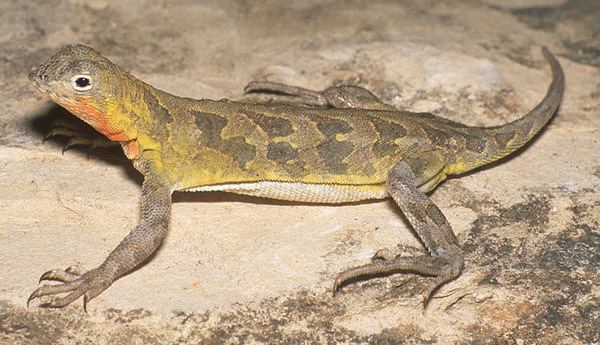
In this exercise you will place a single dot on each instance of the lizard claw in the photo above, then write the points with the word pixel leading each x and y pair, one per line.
pixel 45 290
pixel 88 285
pixel 67 275
pixel 85 302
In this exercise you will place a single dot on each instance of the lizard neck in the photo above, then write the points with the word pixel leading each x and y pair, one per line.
pixel 131 114
pixel 112 112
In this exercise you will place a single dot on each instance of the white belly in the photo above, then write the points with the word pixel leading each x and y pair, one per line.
pixel 302 192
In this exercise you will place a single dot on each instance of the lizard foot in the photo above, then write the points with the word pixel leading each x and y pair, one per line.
pixel 77 134
pixel 340 96
pixel 270 92
pixel 443 269
pixel 88 285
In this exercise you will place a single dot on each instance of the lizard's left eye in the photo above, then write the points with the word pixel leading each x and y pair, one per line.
pixel 81 82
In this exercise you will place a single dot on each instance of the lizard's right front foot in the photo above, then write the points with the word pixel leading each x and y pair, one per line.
pixel 88 285
pixel 78 133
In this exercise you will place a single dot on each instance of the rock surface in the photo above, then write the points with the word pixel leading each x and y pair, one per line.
pixel 240 270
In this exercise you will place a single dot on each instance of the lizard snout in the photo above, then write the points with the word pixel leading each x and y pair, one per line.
pixel 32 75
pixel 38 74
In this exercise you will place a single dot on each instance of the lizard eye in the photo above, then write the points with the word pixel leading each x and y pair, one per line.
pixel 81 82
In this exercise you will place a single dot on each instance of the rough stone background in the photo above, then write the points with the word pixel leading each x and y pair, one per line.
pixel 238 270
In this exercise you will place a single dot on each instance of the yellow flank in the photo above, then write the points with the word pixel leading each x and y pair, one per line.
pixel 460 167
pixel 207 144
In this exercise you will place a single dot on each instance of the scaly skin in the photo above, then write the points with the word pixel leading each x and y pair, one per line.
pixel 338 145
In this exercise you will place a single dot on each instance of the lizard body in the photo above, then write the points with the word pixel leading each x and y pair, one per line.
pixel 334 146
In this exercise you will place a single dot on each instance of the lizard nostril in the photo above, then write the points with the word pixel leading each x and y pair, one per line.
pixel 36 75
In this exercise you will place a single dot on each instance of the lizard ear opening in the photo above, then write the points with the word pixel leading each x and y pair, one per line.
pixel 81 82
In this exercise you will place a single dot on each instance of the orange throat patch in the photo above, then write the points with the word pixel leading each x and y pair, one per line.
pixel 86 111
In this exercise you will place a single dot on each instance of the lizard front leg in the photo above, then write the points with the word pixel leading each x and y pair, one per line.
pixel 134 249
pixel 445 261
pixel 342 96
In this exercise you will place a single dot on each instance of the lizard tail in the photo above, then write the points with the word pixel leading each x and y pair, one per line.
pixel 505 139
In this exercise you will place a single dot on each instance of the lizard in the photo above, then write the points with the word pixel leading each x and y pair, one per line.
pixel 338 145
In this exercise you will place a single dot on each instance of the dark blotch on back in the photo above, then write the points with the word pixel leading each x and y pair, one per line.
pixel 436 136
pixel 281 152
pixel 331 150
pixel 240 150
pixel 210 126
pixel 503 138
pixel 157 110
pixel 331 127
pixel 273 126
pixel 285 155
pixel 527 125
pixel 388 132
pixel 474 143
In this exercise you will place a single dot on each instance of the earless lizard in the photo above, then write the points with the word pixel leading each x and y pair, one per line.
pixel 334 146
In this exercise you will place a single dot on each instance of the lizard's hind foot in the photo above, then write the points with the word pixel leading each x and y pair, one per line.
pixel 444 270
pixel 339 96
pixel 270 92
pixel 88 285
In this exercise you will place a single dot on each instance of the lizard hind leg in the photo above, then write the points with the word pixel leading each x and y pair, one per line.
pixel 445 260
pixel 271 92
pixel 342 96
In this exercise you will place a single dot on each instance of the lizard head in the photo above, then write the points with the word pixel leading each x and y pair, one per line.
pixel 88 85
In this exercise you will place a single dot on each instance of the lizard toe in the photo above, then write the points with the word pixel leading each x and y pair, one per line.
pixel 77 133
pixel 67 275
pixel 442 269
pixel 89 285
pixel 48 290
pixel 383 255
